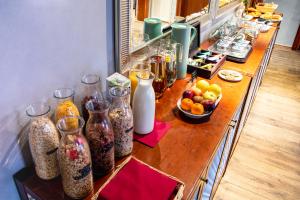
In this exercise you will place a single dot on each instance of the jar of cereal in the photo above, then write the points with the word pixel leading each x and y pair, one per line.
pixel 43 141
pixel 120 115
pixel 74 158
pixel 100 136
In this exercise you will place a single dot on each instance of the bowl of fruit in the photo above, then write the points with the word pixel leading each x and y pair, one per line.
pixel 200 100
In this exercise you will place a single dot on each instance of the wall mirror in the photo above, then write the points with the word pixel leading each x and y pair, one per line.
pixel 150 19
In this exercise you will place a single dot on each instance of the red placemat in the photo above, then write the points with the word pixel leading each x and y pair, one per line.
pixel 138 181
pixel 151 139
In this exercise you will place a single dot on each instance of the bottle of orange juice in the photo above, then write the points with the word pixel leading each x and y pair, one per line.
pixel 141 68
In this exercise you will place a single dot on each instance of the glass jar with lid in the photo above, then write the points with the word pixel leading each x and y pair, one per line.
pixel 43 141
pixel 91 89
pixel 120 115
pixel 65 104
pixel 100 136
pixel 74 158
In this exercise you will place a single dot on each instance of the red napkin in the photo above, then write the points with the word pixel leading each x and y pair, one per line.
pixel 151 139
pixel 136 181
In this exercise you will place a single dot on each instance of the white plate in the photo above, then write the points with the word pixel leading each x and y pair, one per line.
pixel 190 115
pixel 237 76
pixel 248 17
pixel 264 28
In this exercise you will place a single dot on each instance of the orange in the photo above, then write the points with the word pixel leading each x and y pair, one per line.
pixel 197 109
pixel 186 104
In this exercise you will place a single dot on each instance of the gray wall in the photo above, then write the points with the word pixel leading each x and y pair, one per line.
pixel 45 44
pixel 290 22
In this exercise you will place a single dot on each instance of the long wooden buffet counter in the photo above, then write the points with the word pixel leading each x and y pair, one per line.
pixel 195 153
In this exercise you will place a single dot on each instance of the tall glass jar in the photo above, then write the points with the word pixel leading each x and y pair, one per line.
pixel 120 115
pixel 65 105
pixel 91 89
pixel 74 158
pixel 100 136
pixel 43 141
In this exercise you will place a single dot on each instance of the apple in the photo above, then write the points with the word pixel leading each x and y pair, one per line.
pixel 197 99
pixel 202 85
pixel 188 94
pixel 210 96
pixel 215 89
pixel 208 105
pixel 196 91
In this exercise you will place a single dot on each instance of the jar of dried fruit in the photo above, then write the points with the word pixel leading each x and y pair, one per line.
pixel 100 136
pixel 43 141
pixel 120 115
pixel 65 105
pixel 74 158
pixel 91 89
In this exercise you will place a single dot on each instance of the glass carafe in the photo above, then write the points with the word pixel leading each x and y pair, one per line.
pixel 74 158
pixel 144 105
pixel 91 89
pixel 43 141
pixel 158 68
pixel 65 104
pixel 100 136
pixel 120 115
pixel 171 55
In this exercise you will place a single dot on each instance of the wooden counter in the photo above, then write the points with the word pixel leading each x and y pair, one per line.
pixel 186 150
pixel 189 148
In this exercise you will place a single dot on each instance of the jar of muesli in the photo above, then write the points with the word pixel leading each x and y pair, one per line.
pixel 43 141
pixel 74 158
pixel 100 136
pixel 120 115
pixel 91 89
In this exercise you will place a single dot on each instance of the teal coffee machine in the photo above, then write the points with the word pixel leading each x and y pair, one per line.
pixel 184 34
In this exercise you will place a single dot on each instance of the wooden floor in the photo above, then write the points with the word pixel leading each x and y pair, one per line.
pixel 266 162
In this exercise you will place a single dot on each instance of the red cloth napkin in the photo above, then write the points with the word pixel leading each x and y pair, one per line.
pixel 151 139
pixel 137 181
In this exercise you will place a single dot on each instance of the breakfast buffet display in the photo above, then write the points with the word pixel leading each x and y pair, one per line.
pixel 83 142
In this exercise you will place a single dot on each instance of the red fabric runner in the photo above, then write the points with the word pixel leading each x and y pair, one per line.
pixel 137 181
pixel 151 139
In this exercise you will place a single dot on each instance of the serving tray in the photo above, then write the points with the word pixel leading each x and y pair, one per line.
pixel 205 73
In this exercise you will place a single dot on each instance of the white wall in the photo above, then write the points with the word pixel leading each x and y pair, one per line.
pixel 290 22
pixel 45 44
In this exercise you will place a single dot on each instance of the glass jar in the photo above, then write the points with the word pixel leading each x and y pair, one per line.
pixel 100 136
pixel 120 115
pixel 65 105
pixel 158 68
pixel 43 141
pixel 171 55
pixel 74 158
pixel 91 89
